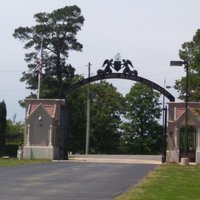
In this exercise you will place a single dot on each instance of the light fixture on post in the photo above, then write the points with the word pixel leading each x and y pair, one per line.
pixel 164 124
pixel 40 120
pixel 180 63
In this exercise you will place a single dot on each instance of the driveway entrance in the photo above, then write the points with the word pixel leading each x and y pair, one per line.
pixel 70 180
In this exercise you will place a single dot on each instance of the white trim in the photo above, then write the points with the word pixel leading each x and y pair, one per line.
pixel 28 135
pixel 50 134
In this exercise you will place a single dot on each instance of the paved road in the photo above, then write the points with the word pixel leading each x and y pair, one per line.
pixel 70 180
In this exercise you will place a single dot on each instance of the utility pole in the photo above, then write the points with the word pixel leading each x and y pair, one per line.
pixel 88 115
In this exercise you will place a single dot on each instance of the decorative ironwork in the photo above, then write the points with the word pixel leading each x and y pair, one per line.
pixel 128 73
pixel 117 65
pixel 122 76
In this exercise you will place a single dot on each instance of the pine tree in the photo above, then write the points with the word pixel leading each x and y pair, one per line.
pixel 56 33
pixel 3 113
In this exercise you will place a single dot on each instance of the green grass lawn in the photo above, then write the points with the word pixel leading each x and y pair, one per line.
pixel 167 182
pixel 14 162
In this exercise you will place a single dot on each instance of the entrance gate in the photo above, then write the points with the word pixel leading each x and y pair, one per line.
pixel 53 111
pixel 128 74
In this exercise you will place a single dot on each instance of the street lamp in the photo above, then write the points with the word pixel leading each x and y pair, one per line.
pixel 180 63
pixel 164 123
pixel 163 103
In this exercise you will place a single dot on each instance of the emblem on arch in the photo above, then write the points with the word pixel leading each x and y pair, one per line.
pixel 117 65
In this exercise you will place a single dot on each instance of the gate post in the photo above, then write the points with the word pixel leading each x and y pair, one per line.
pixel 45 129
pixel 165 135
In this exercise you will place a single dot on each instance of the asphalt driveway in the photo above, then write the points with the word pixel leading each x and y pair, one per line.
pixel 70 180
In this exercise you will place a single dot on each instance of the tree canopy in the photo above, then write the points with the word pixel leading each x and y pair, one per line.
pixel 190 52
pixel 141 132
pixel 106 110
pixel 55 35
pixel 77 120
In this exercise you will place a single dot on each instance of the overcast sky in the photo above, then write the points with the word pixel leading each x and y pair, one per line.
pixel 147 32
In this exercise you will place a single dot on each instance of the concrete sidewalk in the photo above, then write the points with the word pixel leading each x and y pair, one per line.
pixel 128 159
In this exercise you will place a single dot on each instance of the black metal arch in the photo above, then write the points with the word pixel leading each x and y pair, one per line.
pixel 122 76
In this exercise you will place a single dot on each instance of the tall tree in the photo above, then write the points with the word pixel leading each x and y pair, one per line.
pixel 56 33
pixel 106 108
pixel 3 114
pixel 191 52
pixel 141 131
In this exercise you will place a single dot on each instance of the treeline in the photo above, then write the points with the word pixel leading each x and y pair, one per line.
pixel 11 133
pixel 119 125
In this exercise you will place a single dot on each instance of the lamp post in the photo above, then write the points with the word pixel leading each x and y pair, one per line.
pixel 164 123
pixel 163 103
pixel 180 63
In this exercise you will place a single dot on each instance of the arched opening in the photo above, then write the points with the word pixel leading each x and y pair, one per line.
pixel 127 76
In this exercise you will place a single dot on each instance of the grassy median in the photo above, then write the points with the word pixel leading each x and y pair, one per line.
pixel 167 182
pixel 14 161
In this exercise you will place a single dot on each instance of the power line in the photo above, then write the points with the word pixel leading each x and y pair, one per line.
pixel 10 71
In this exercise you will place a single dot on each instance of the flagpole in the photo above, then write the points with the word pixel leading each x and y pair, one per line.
pixel 38 93
pixel 40 63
